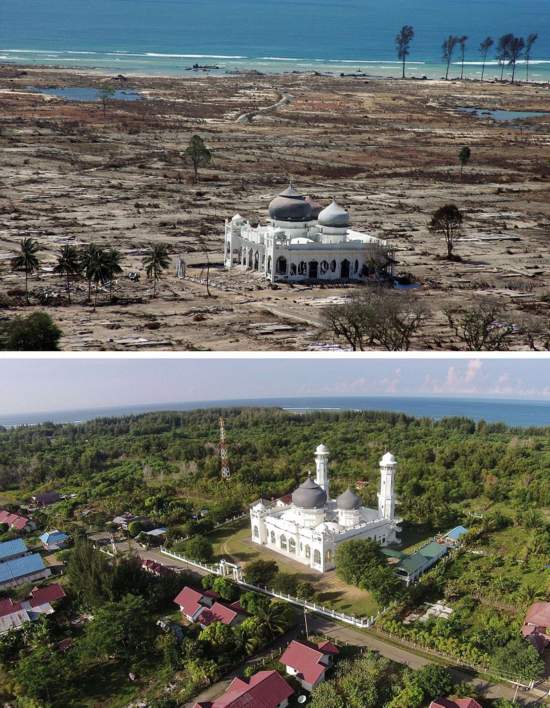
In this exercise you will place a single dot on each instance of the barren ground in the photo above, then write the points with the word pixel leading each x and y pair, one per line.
pixel 387 149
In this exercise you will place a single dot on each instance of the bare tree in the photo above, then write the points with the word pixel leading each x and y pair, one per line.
pixel 484 51
pixel 531 39
pixel 378 318
pixel 447 221
pixel 482 327
pixel 403 44
pixel 448 47
pixel 106 93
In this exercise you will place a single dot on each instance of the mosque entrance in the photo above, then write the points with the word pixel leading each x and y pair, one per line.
pixel 344 271
pixel 313 269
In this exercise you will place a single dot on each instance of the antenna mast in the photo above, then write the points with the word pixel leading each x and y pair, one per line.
pixel 224 459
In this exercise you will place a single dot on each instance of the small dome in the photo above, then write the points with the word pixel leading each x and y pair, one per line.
pixel 321 450
pixel 334 215
pixel 388 459
pixel 237 219
pixel 348 501
pixel 290 205
pixel 309 495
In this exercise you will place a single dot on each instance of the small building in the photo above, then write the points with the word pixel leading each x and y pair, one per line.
pixel 411 567
pixel 157 533
pixel 124 520
pixel 307 662
pixel 46 498
pixel 454 536
pixel 9 550
pixel 54 540
pixel 155 568
pixel 536 626
pixel 455 703
pixel 16 522
pixel 13 615
pixel 192 603
pixel 228 615
pixel 266 689
pixel 25 569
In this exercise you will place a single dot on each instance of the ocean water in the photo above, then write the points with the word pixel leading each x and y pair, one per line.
pixel 167 36
pixel 511 412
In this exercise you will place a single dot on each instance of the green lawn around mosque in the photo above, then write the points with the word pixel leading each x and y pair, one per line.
pixel 233 542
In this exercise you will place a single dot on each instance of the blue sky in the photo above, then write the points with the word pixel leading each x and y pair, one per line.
pixel 57 384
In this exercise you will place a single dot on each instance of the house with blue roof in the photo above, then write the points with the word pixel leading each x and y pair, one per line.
pixel 54 540
pixel 12 549
pixel 24 569
pixel 454 536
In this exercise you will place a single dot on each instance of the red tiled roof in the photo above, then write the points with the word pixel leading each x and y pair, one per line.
pixel 329 648
pixel 457 703
pixel 8 607
pixel 212 593
pixel 188 600
pixel 304 659
pixel 266 689
pixel 49 593
pixel 217 613
pixel 14 520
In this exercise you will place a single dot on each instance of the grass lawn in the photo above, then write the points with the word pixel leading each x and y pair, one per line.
pixel 233 542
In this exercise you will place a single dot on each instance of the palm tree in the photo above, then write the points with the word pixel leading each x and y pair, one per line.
pixel 69 265
pixel 448 48
pixel 113 258
pixel 531 39
pixel 515 50
pixel 27 260
pixel 484 50
pixel 155 262
pixel 503 51
pixel 462 41
pixel 403 44
pixel 88 260
pixel 273 618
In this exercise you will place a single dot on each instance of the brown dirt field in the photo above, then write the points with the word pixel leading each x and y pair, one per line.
pixel 387 149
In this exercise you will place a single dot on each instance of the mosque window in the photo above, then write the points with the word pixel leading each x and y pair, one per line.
pixel 256 532
pixel 308 552
pixel 281 265
pixel 328 556
pixel 317 557
pixel 282 542
pixel 302 268
pixel 273 537
pixel 333 266
pixel 292 545
pixel 356 266
pixel 293 269
pixel 324 266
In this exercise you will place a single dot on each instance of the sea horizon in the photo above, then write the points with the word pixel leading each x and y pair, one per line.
pixel 166 37
pixel 511 412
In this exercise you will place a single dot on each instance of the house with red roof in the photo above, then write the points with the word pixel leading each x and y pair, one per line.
pixel 219 613
pixel 155 568
pixel 191 603
pixel 266 689
pixel 307 662
pixel 16 522
pixel 13 615
pixel 204 608
pixel 456 703
pixel 536 626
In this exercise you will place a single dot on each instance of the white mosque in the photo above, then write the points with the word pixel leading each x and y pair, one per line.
pixel 310 528
pixel 304 242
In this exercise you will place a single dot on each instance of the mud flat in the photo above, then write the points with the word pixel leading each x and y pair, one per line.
pixel 387 149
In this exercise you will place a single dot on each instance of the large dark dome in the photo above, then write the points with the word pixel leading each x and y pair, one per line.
pixel 309 495
pixel 348 501
pixel 290 205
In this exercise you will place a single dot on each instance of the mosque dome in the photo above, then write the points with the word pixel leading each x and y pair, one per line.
pixel 334 216
pixel 290 205
pixel 309 495
pixel 321 450
pixel 388 459
pixel 348 500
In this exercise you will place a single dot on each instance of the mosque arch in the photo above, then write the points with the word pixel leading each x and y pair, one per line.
pixel 281 266
pixel 282 542
pixel 302 268
pixel 256 532
pixel 291 545
pixel 333 266
pixel 356 266
pixel 324 267
pixel 269 264
pixel 317 556
pixel 308 551
pixel 250 257
pixel 344 268
pixel 328 556
pixel 293 269
pixel 256 261
pixel 272 537
pixel 313 269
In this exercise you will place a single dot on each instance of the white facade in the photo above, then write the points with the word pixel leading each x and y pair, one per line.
pixel 302 242
pixel 310 528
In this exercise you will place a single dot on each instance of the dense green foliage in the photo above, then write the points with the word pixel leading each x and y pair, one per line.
pixel 35 333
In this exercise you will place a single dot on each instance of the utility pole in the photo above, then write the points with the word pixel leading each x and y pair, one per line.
pixel 224 459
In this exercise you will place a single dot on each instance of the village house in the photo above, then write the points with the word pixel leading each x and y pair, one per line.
pixel 18 565
pixel 16 522
pixel 204 608
pixel 46 498
pixel 124 520
pixel 155 568
pixel 410 567
pixel 54 540
pixel 536 626
pixel 13 615
pixel 266 689
pixel 307 662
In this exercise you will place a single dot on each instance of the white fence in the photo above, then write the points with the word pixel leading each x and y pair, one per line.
pixel 226 569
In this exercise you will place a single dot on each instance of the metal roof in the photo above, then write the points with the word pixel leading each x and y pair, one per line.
pixel 18 568
pixel 12 548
